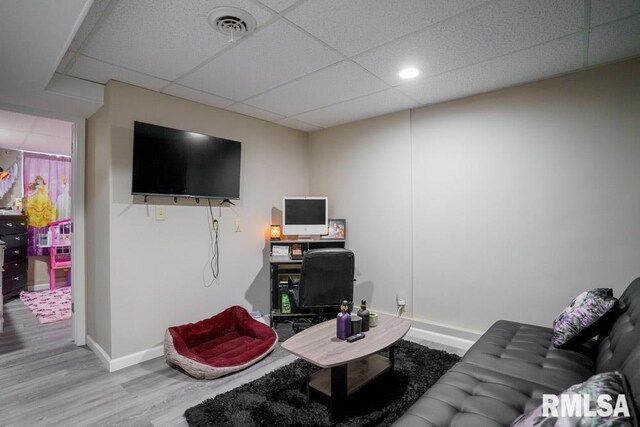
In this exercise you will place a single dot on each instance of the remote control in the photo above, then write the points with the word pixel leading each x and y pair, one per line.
pixel 355 337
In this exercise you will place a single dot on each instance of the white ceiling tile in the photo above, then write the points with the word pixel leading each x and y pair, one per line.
pixel 278 5
pixel 16 121
pixel 52 127
pixel 387 101
pixel 337 83
pixel 12 138
pixel 66 59
pixel 552 58
pixel 164 39
pixel 95 11
pixel 297 124
pixel 500 28
pixel 47 144
pixel 248 110
pixel 97 71
pixel 275 55
pixel 603 11
pixel 614 41
pixel 354 26
pixel 197 96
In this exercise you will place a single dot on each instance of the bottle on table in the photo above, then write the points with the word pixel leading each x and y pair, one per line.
pixel 344 321
pixel 364 313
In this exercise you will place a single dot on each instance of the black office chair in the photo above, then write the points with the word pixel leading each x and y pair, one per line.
pixel 326 279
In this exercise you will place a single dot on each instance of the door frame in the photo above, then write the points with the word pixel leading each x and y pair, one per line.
pixel 78 261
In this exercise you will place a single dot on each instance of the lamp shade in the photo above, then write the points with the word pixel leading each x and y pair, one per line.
pixel 275 232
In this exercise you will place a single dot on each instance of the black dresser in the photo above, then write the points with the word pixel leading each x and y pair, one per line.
pixel 13 231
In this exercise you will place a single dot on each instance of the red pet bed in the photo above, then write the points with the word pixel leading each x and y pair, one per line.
pixel 225 343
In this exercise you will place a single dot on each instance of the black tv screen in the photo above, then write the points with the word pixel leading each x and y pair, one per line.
pixel 172 162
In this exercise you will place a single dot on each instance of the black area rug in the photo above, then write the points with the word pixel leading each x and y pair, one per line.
pixel 279 399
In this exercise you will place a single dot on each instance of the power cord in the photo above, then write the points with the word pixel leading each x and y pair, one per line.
pixel 213 257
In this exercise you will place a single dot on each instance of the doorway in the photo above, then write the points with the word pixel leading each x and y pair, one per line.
pixel 48 176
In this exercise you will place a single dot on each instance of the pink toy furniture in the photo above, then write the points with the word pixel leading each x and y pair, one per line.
pixel 60 250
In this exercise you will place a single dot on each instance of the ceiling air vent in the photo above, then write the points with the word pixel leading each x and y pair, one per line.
pixel 232 22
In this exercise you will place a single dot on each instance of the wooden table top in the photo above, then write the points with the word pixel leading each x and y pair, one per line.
pixel 320 346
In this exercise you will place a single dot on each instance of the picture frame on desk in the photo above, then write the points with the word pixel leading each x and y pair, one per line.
pixel 337 229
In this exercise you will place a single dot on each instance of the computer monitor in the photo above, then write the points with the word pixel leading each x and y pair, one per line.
pixel 305 216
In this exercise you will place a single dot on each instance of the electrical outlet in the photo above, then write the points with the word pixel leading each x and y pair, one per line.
pixel 237 226
pixel 160 213
pixel 401 299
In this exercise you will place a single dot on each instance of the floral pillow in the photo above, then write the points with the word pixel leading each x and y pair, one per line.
pixel 621 411
pixel 585 317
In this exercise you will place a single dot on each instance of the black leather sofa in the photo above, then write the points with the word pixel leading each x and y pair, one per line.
pixel 505 373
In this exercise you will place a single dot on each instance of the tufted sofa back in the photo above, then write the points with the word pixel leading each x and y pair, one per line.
pixel 620 350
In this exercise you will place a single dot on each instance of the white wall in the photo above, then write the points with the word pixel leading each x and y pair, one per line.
pixel 365 170
pixel 156 267
pixel 521 198
pixel 97 230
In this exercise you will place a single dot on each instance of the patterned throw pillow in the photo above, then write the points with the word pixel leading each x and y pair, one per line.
pixel 613 384
pixel 585 317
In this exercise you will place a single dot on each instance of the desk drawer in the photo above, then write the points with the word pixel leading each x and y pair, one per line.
pixel 13 283
pixel 15 253
pixel 15 267
pixel 13 225
pixel 15 240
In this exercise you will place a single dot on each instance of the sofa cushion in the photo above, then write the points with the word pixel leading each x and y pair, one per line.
pixel 620 348
pixel 585 317
pixel 501 376
pixel 525 352
pixel 612 384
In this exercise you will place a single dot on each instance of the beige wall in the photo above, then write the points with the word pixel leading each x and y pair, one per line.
pixel 365 170
pixel 97 226
pixel 152 271
pixel 519 200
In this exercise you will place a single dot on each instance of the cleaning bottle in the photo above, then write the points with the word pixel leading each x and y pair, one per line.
pixel 344 321
pixel 364 313
pixel 285 304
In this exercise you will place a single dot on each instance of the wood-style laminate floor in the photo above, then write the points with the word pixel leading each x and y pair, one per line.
pixel 46 380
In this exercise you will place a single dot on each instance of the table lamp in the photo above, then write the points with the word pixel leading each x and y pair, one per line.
pixel 275 232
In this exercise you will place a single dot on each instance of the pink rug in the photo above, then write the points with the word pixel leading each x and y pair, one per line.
pixel 49 306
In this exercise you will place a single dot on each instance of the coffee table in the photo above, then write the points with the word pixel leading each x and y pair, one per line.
pixel 347 366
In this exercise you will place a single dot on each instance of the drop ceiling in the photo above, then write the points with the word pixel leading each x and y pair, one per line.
pixel 30 133
pixel 319 63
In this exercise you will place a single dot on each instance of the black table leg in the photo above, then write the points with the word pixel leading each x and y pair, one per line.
pixel 338 391
pixel 392 356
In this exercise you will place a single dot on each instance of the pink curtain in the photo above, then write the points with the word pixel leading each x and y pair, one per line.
pixel 47 192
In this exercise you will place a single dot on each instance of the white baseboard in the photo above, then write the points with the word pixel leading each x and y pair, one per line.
pixel 40 287
pixel 439 338
pixel 124 361
pixel 45 286
pixel 448 335
pixel 99 351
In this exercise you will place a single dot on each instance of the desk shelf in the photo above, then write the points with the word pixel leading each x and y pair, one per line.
pixel 283 266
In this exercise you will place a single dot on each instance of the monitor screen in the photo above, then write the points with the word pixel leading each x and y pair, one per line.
pixel 174 162
pixel 305 215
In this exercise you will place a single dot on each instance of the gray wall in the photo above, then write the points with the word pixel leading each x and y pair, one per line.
pixel 519 198
pixel 155 273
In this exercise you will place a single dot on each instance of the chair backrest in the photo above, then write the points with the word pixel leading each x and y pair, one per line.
pixel 620 350
pixel 326 277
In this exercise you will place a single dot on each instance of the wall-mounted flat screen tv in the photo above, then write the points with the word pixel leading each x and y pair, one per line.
pixel 172 162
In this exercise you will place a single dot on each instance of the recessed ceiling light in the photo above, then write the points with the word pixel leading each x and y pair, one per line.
pixel 409 73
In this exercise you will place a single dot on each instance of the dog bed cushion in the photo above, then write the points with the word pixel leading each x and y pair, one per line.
pixel 227 342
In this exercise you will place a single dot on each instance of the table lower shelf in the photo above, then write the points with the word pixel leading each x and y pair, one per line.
pixel 359 373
